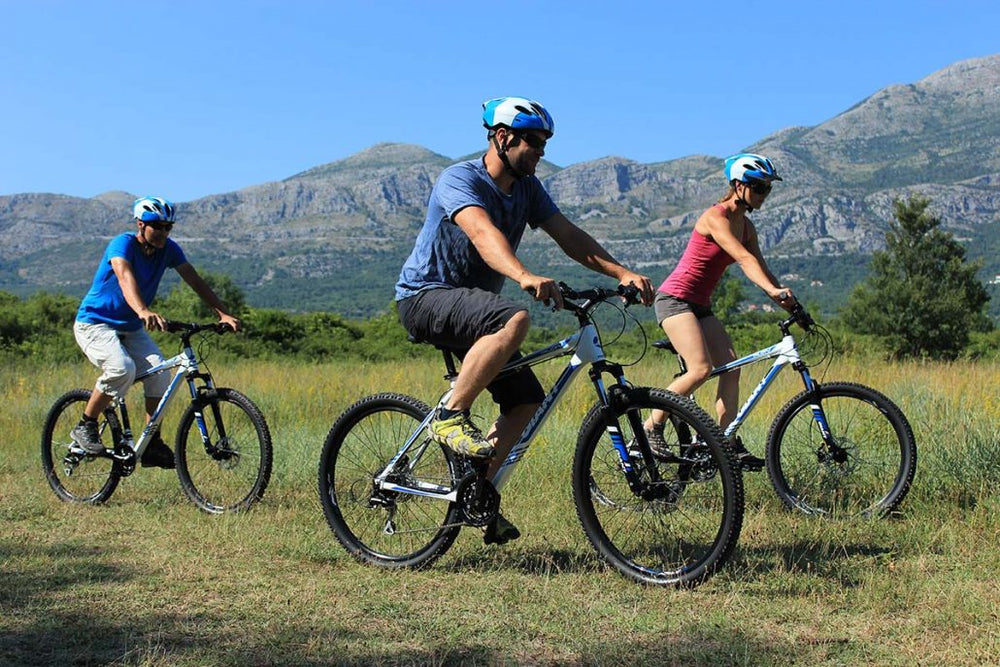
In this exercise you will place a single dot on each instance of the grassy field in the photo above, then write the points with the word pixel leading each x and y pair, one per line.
pixel 149 580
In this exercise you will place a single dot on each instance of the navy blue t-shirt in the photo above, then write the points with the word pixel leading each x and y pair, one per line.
pixel 105 303
pixel 444 255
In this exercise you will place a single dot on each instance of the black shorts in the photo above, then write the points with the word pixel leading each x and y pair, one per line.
pixel 454 318
pixel 665 305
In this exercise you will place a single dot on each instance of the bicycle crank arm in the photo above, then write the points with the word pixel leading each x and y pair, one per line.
pixel 79 454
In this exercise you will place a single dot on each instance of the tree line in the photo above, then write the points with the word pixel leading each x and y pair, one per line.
pixel 921 300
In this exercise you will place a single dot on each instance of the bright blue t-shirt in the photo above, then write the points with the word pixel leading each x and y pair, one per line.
pixel 444 255
pixel 105 303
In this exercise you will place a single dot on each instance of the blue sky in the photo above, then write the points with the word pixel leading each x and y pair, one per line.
pixel 190 98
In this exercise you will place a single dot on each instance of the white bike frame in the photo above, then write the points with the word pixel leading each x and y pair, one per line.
pixel 187 367
pixel 585 346
pixel 784 353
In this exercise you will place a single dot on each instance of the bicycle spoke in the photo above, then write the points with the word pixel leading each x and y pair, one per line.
pixel 867 472
pixel 678 538
pixel 358 448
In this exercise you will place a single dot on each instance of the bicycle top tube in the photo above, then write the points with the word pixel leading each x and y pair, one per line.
pixel 786 351
pixel 185 359
pixel 585 342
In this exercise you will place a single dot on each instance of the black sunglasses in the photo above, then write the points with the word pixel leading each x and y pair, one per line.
pixel 759 188
pixel 160 226
pixel 533 140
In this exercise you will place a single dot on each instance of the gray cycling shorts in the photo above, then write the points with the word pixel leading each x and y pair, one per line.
pixel 454 318
pixel 665 305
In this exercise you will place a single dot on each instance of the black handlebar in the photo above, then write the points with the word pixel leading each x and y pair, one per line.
pixel 191 328
pixel 798 316
pixel 629 292
pixel 593 296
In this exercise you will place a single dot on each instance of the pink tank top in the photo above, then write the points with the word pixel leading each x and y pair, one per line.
pixel 701 266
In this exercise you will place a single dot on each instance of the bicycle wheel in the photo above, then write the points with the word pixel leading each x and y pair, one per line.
pixel 869 471
pixel 386 528
pixel 678 531
pixel 230 471
pixel 78 478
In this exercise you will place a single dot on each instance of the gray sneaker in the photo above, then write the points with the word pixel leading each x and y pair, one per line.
pixel 86 436
pixel 657 444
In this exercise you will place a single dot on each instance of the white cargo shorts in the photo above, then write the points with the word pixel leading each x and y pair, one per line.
pixel 121 355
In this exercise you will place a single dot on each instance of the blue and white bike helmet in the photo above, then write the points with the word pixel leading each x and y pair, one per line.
pixel 153 209
pixel 750 168
pixel 517 113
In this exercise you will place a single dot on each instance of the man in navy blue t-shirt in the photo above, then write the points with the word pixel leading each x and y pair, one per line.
pixel 109 323
pixel 448 292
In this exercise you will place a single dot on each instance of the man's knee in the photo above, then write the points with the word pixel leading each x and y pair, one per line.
pixel 518 325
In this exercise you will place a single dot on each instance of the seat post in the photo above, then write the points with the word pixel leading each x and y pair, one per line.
pixel 449 364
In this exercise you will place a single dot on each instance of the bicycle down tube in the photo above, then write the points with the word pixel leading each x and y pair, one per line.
pixel 783 353
pixel 585 347
pixel 188 370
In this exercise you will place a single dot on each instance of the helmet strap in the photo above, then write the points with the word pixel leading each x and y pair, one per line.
pixel 740 198
pixel 147 249
pixel 502 152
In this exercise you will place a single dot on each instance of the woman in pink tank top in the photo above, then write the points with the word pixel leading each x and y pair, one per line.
pixel 723 235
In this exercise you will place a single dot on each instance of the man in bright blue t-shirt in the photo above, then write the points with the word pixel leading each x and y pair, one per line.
pixel 109 323
pixel 448 292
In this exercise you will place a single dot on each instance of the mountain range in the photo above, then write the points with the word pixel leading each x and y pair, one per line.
pixel 334 236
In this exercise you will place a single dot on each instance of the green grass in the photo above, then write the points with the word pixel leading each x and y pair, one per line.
pixel 149 580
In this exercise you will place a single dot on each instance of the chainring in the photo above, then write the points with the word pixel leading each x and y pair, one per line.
pixel 479 499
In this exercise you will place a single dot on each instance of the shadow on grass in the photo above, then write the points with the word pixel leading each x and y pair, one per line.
pixel 824 559
pixel 534 562
pixel 162 639
pixel 54 610
pixel 60 566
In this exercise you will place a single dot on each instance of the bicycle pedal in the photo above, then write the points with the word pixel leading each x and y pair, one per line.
pixel 750 463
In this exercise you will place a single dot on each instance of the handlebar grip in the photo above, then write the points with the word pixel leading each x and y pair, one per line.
pixel 567 291
pixel 630 293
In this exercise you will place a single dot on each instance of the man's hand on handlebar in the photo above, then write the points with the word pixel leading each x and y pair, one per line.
pixel 152 321
pixel 641 283
pixel 543 289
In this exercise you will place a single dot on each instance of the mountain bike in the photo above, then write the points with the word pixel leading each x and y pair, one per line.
pixel 836 448
pixel 222 449
pixel 395 498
